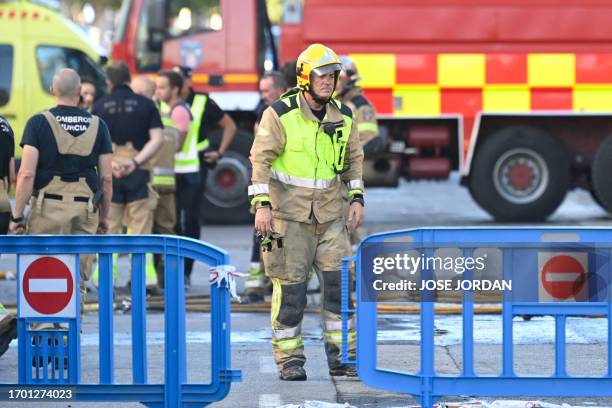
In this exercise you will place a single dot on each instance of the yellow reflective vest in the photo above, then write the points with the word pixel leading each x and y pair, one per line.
pixel 299 162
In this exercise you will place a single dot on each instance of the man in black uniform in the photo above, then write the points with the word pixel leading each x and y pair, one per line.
pixel 206 114
pixel 136 131
pixel 65 170
pixel 8 323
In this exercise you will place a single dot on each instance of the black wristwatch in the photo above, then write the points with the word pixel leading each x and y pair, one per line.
pixel 16 220
pixel 136 164
pixel 358 198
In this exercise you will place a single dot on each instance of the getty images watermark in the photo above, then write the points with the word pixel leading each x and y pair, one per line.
pixel 491 272
pixel 409 264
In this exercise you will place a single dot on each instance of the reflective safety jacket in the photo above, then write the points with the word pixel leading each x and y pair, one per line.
pixel 299 162
pixel 198 107
pixel 364 112
pixel 163 161
pixel 186 160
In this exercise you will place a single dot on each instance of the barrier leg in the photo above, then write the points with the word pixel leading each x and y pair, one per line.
pixel 175 331
pixel 345 307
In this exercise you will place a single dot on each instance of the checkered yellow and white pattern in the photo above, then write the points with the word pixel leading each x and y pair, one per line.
pixel 434 84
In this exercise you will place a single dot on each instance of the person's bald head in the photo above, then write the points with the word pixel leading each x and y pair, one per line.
pixel 66 85
pixel 143 85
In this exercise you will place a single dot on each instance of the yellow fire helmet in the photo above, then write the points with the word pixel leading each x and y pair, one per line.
pixel 316 59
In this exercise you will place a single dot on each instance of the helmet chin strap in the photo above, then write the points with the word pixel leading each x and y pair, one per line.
pixel 318 99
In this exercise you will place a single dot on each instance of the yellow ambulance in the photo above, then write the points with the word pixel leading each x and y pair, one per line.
pixel 35 42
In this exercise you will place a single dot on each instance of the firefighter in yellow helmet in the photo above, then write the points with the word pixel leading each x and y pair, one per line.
pixel 306 146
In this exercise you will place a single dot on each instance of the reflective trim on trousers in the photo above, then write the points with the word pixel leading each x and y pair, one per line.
pixel 288 344
pixel 336 325
pixel 277 292
pixel 335 337
pixel 163 171
pixel 288 333
pixel 163 180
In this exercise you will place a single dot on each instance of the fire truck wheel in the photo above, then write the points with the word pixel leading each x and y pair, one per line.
pixel 225 199
pixel 600 174
pixel 520 174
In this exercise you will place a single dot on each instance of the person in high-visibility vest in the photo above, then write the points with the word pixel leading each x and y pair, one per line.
pixel 186 162
pixel 306 146
pixel 164 216
pixel 272 85
pixel 190 186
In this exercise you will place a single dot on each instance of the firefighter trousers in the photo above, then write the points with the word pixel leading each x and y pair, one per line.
pixel 51 216
pixel 289 260
pixel 164 223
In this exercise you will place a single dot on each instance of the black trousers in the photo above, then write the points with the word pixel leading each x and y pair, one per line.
pixel 4 222
pixel 188 198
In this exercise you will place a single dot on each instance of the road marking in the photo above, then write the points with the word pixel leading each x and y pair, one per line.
pixel 270 401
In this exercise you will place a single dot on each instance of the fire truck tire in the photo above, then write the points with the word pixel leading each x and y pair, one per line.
pixel 600 175
pixel 225 198
pixel 520 174
pixel 592 190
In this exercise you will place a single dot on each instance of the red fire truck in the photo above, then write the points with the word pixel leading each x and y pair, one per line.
pixel 515 95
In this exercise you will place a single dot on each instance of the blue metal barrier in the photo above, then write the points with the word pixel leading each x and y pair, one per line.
pixel 61 347
pixel 427 386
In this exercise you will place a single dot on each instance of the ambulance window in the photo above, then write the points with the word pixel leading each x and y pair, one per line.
pixel 6 73
pixel 188 17
pixel 51 59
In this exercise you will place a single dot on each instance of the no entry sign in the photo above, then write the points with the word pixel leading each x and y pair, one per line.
pixel 47 286
pixel 562 276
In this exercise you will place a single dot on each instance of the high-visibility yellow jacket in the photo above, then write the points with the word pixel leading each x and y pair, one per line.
pixel 299 163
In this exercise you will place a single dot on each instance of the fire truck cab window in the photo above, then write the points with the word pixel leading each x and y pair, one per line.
pixel 51 59
pixel 189 16
pixel 6 73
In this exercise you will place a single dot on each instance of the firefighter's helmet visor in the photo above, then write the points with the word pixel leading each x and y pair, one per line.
pixel 326 69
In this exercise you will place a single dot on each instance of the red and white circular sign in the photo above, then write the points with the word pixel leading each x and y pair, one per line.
pixel 563 277
pixel 47 286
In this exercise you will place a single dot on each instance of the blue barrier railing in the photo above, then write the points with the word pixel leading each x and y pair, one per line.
pixel 426 385
pixel 61 346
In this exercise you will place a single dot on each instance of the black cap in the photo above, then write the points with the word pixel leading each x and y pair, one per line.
pixel 184 70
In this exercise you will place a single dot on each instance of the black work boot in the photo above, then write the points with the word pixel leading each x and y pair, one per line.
pixel 293 373
pixel 347 370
